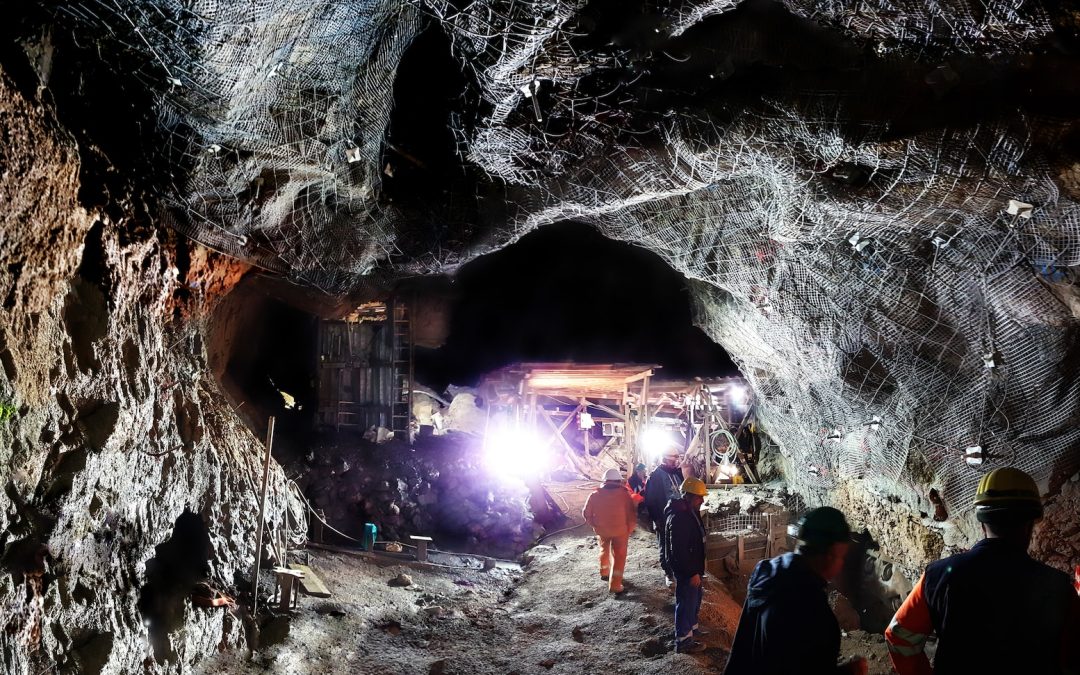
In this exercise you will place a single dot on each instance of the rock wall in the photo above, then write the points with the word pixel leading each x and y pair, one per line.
pixel 1057 536
pixel 125 476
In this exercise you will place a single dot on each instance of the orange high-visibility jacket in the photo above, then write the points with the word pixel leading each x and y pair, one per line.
pixel 610 511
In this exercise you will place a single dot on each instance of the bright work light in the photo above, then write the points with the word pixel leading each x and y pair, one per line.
pixel 654 441
pixel 728 469
pixel 516 452
pixel 737 393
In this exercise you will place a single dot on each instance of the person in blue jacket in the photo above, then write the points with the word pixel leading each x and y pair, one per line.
pixel 787 626
pixel 661 488
pixel 684 551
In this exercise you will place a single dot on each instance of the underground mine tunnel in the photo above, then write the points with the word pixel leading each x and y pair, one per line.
pixel 344 337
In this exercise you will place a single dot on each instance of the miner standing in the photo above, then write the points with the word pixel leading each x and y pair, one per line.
pixel 613 516
pixel 638 479
pixel 661 488
pixel 684 550
pixel 787 625
pixel 994 608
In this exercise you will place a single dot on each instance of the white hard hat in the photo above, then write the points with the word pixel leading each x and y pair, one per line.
pixel 613 474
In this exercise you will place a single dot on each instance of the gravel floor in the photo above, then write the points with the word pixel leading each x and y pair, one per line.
pixel 552 616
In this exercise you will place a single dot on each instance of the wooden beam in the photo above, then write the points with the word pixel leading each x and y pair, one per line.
pixel 310 583
pixel 262 513
pixel 640 376
pixel 568 420
pixel 556 430
pixel 643 410
pixel 556 396
pixel 610 411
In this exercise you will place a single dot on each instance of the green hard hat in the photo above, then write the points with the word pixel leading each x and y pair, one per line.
pixel 823 525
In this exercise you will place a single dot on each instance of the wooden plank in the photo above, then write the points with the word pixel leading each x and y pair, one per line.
pixel 568 420
pixel 639 376
pixel 555 431
pixel 719 549
pixel 311 584
pixel 610 411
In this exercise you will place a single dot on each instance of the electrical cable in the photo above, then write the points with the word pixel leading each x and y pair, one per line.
pixel 384 542
pixel 318 517
pixel 565 529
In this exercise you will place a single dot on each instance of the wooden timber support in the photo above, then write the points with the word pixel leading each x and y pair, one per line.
pixel 262 513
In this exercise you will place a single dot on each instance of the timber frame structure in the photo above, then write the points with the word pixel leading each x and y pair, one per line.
pixel 547 398
pixel 365 369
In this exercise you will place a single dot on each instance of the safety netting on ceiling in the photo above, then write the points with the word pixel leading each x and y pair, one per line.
pixel 871 199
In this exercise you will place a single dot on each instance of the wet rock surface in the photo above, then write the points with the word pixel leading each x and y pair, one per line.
pixel 1057 535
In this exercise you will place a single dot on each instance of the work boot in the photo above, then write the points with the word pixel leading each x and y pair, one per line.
pixel 603 577
pixel 701 632
pixel 689 646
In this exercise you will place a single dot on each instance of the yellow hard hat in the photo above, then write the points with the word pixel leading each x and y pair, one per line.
pixel 693 486
pixel 1008 489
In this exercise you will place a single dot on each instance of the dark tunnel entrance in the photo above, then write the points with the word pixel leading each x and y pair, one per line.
pixel 567 293
pixel 262 351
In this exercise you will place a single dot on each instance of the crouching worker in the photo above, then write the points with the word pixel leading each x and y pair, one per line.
pixel 684 551
pixel 787 625
pixel 611 513
pixel 995 610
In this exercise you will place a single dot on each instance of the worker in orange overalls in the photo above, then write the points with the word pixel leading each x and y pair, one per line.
pixel 612 514
pixel 994 609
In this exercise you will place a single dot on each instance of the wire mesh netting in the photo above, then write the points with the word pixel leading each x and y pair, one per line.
pixel 741 522
pixel 892 276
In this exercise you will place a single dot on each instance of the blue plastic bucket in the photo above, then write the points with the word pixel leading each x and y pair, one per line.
pixel 367 542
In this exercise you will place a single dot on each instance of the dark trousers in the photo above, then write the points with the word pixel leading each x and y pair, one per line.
pixel 659 529
pixel 687 605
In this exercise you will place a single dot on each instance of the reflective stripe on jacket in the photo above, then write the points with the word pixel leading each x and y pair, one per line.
pixel 907 633
pixel 995 610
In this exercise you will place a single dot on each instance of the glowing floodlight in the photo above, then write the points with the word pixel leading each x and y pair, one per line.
pixel 655 441
pixel 728 469
pixel 737 393
pixel 516 452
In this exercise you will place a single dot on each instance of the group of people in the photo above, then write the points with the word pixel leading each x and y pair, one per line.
pixel 993 608
pixel 673 504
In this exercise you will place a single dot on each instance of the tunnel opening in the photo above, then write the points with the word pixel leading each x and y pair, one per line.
pixel 871 587
pixel 260 348
pixel 568 293
pixel 178 565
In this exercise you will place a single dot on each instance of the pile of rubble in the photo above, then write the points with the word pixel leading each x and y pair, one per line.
pixel 438 488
